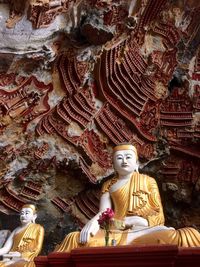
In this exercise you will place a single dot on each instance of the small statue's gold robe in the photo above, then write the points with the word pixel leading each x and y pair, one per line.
pixel 29 243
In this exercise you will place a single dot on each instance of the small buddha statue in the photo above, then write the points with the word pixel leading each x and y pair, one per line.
pixel 25 242
pixel 136 201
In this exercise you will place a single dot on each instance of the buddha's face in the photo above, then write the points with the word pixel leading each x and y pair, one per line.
pixel 27 216
pixel 124 162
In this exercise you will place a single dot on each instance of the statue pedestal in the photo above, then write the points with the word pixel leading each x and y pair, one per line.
pixel 188 257
pixel 60 259
pixel 121 256
pixel 125 256
pixel 41 261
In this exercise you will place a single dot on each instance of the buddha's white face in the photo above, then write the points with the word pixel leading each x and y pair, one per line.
pixel 27 216
pixel 124 162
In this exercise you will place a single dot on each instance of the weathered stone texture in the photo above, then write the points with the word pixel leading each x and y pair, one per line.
pixel 78 77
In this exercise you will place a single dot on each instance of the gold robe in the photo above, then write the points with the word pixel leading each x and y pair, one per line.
pixel 29 243
pixel 138 197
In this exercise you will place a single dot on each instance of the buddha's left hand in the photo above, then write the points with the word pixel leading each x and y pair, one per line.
pixel 132 221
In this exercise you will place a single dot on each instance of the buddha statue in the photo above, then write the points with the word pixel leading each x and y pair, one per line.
pixel 25 242
pixel 136 201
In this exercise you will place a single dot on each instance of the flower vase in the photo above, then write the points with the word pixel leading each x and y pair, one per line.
pixel 107 240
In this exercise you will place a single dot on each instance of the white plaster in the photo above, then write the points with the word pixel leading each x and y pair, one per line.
pixel 57 147
pixel 23 39
pixel 14 166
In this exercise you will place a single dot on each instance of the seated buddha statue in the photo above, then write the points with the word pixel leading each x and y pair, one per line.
pixel 136 202
pixel 25 242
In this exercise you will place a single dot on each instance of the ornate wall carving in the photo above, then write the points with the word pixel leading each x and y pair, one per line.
pixel 108 72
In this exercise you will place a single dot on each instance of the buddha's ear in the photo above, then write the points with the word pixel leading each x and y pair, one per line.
pixel 137 166
pixel 34 217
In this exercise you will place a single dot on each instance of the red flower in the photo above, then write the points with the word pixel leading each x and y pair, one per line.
pixel 105 218
pixel 105 222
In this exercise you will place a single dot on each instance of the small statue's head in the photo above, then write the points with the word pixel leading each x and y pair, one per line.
pixel 125 159
pixel 28 214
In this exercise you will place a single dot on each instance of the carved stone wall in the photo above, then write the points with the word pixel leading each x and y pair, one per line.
pixel 78 77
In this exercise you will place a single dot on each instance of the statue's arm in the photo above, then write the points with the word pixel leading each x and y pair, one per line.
pixel 39 240
pixel 92 227
pixel 156 215
pixel 105 202
pixel 8 244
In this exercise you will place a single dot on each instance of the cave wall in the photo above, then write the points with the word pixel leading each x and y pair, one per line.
pixel 78 77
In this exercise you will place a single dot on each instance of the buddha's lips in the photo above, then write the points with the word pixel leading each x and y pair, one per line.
pixel 125 165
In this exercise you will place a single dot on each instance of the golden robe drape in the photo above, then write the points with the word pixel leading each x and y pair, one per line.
pixel 138 197
pixel 29 243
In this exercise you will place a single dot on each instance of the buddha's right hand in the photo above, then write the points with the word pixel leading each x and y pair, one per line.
pixel 91 228
pixel 12 254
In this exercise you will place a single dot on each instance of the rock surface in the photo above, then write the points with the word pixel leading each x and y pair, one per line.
pixel 78 77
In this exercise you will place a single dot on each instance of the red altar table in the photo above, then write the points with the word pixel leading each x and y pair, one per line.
pixel 60 259
pixel 188 257
pixel 41 261
pixel 123 256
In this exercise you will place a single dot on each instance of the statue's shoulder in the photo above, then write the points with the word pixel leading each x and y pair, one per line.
pixel 147 178
pixel 18 228
pixel 150 178
pixel 107 184
pixel 37 226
